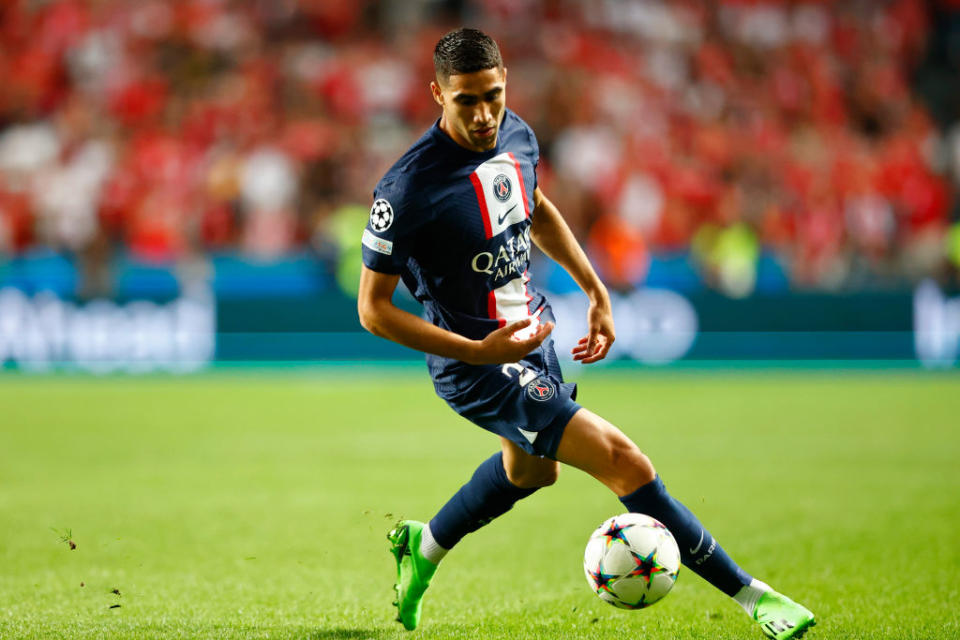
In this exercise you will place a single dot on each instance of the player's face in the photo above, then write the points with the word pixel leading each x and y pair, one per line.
pixel 473 106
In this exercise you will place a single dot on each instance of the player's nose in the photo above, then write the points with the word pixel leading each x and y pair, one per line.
pixel 482 114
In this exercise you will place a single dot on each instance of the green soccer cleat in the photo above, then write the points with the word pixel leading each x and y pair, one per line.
pixel 413 571
pixel 781 618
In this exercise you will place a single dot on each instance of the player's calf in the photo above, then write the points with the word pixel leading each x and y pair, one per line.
pixel 488 495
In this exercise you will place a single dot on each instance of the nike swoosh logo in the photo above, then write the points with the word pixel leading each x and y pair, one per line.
pixel 500 219
pixel 699 544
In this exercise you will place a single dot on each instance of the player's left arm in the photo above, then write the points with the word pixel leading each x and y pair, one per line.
pixel 551 234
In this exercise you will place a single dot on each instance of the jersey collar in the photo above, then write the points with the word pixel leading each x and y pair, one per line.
pixel 444 139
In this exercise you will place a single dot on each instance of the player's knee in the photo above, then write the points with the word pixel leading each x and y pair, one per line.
pixel 629 467
pixel 533 478
pixel 548 475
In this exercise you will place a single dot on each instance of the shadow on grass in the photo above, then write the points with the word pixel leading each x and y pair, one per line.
pixel 306 633
pixel 342 634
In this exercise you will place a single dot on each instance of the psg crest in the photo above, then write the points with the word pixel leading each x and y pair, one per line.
pixel 502 188
pixel 541 389
pixel 381 215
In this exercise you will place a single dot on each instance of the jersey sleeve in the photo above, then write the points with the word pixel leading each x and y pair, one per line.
pixel 534 151
pixel 389 235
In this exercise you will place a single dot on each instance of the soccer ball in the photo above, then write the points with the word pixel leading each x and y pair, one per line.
pixel 631 561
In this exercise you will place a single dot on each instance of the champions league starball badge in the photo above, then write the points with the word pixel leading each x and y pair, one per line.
pixel 381 215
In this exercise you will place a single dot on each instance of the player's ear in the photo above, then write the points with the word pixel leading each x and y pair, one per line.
pixel 437 92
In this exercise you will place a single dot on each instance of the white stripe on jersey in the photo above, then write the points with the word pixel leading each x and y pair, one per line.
pixel 500 205
pixel 512 302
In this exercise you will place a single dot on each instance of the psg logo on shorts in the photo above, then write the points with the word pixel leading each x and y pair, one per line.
pixel 381 215
pixel 502 188
pixel 541 389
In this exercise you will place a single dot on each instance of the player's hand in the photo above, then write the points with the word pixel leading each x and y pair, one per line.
pixel 596 344
pixel 501 346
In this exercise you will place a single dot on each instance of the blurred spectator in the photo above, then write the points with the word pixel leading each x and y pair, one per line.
pixel 168 130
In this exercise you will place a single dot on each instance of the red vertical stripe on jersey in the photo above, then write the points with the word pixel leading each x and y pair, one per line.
pixel 526 294
pixel 492 309
pixel 523 189
pixel 482 201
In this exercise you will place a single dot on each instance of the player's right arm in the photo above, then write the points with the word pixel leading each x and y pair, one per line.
pixel 381 317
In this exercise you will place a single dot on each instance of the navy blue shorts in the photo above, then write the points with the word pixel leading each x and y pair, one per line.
pixel 526 402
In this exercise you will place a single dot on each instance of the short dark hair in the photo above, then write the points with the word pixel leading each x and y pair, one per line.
pixel 465 51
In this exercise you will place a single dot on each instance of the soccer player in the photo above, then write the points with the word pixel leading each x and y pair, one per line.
pixel 455 217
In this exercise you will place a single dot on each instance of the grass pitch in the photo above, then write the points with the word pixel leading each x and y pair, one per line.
pixel 255 506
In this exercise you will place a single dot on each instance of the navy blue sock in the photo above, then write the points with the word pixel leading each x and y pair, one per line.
pixel 698 550
pixel 487 495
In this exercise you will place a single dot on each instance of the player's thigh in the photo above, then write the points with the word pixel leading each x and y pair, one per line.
pixel 525 470
pixel 592 444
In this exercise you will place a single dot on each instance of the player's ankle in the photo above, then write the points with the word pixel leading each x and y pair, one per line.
pixel 429 548
pixel 749 595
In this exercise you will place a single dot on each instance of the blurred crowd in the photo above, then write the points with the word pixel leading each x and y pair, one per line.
pixel 172 130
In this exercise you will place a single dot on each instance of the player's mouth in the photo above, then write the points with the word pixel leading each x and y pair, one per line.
pixel 485 132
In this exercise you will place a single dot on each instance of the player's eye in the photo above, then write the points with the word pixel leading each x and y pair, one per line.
pixel 493 95
pixel 467 101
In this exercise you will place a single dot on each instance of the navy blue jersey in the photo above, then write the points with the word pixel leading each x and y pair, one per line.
pixel 455 224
